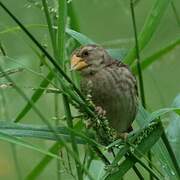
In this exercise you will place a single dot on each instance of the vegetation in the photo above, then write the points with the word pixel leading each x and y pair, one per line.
pixel 43 112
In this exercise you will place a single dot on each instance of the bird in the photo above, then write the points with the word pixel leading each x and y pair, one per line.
pixel 110 84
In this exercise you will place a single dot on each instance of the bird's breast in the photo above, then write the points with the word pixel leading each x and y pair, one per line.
pixel 114 91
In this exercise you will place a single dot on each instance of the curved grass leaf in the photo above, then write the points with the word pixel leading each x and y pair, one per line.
pixel 81 38
pixel 42 49
pixel 43 132
pixel 36 95
pixel 37 170
pixel 156 114
pixel 139 150
pixel 118 54
pixel 17 141
pixel 43 163
pixel 157 55
pixel 173 132
pixel 149 28
pixel 11 71
pixel 159 149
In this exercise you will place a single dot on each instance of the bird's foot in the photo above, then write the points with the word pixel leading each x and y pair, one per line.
pixel 100 111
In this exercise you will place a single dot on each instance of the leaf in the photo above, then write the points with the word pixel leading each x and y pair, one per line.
pixel 157 55
pixel 161 112
pixel 11 71
pixel 144 118
pixel 139 150
pixel 81 38
pixel 173 132
pixel 36 95
pixel 17 141
pixel 44 162
pixel 149 28
pixel 118 54
pixel 84 40
pixel 46 159
pixel 34 131
pixel 159 149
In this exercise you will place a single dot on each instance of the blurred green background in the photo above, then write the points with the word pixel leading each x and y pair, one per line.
pixel 106 22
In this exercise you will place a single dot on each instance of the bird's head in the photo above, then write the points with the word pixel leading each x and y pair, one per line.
pixel 89 59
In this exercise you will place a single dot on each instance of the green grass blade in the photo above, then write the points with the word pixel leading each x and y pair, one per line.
pixel 81 38
pixel 44 120
pixel 41 132
pixel 17 141
pixel 144 146
pixel 156 114
pixel 49 57
pixel 37 170
pixel 159 148
pixel 50 25
pixel 11 71
pixel 149 28
pixel 36 95
pixel 157 55
pixel 74 23
pixel 118 54
pixel 175 13
pixel 62 22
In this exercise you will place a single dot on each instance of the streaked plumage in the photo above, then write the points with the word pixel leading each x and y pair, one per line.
pixel 110 84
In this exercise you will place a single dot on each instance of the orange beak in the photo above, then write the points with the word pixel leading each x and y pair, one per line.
pixel 77 63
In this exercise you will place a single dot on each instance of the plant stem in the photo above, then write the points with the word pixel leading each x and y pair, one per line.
pixel 6 115
pixel 140 77
pixel 51 59
pixel 175 13
pixel 71 13
pixel 139 175
pixel 50 25
pixel 170 151
pixel 70 125
pixel 87 107
pixel 145 166
pixel 54 47
pixel 37 170
pixel 13 147
pixel 61 54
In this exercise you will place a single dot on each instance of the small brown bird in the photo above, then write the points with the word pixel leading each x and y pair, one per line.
pixel 110 83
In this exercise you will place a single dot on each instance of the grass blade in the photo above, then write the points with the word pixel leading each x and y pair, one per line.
pixel 159 148
pixel 17 141
pixel 61 49
pixel 144 146
pixel 149 28
pixel 40 132
pixel 157 55
pixel 37 94
pixel 50 58
pixel 37 170
pixel 81 38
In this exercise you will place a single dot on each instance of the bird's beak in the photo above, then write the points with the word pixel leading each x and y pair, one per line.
pixel 77 63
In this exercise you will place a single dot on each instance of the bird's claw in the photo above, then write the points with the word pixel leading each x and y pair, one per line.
pixel 100 111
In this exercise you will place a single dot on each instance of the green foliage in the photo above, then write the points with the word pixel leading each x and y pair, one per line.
pixel 69 133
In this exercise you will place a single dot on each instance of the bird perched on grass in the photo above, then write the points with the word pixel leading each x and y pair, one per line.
pixel 110 83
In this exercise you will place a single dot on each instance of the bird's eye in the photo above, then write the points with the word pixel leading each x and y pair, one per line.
pixel 85 53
